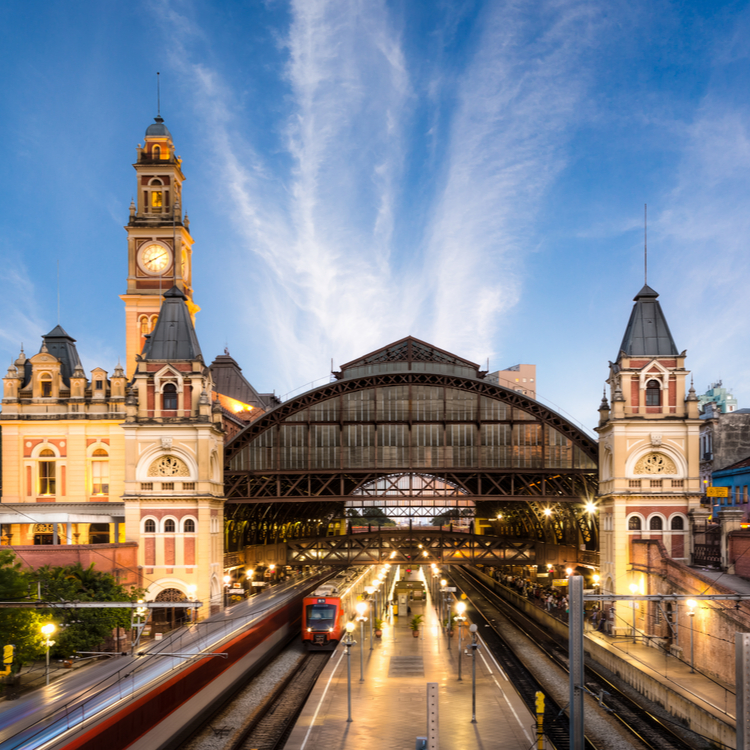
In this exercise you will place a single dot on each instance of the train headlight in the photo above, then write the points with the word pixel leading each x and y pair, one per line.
pixel 330 630
pixel 309 630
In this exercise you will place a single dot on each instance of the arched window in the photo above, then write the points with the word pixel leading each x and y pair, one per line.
pixel 150 526
pixel 157 152
pixel 144 325
pixel 677 523
pixel 47 472
pixel 653 393
pixel 189 527
pixel 45 381
pixel 153 321
pixel 169 397
pixel 655 524
pixel 169 526
pixel 634 524
pixel 100 472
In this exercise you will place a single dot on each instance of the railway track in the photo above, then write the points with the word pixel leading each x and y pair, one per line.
pixel 649 729
pixel 272 724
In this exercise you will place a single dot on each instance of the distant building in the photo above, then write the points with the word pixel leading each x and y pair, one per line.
pixel 720 397
pixel 736 477
pixel 521 378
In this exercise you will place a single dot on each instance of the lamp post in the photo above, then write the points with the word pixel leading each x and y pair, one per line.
pixel 460 609
pixel 361 609
pixel 272 568
pixel 443 584
pixel 633 588
pixel 227 579
pixel 47 631
pixel 474 646
pixel 348 642
pixel 692 604
pixel 370 591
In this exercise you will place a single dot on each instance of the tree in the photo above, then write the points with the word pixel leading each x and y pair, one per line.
pixel 18 627
pixel 450 515
pixel 84 629
pixel 376 517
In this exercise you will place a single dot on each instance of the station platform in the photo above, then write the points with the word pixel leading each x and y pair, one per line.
pixel 390 707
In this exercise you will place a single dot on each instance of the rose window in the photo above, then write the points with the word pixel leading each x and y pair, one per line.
pixel 168 466
pixel 655 463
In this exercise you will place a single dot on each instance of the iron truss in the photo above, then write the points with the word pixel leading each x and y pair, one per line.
pixel 512 398
pixel 404 547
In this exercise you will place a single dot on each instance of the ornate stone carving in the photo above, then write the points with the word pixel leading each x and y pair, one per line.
pixel 168 466
pixel 166 443
pixel 655 440
pixel 655 463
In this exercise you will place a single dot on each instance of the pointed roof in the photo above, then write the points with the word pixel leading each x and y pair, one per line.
pixel 648 334
pixel 62 346
pixel 229 381
pixel 173 337
pixel 158 128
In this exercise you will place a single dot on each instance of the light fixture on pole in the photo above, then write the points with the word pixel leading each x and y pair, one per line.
pixel 370 591
pixel 633 590
pixel 47 631
pixel 460 609
pixel 443 584
pixel 348 642
pixel 361 610
pixel 691 604
pixel 596 580
pixel 474 646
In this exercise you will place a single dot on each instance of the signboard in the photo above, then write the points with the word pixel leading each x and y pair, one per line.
pixel 449 589
pixel 259 583
pixel 559 581
pixel 237 590
pixel 717 491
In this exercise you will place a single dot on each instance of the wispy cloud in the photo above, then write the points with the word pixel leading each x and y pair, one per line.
pixel 21 320
pixel 519 99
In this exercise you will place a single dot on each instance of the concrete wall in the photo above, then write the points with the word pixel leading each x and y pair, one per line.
pixel 120 560
pixel 652 686
pixel 739 552
pixel 731 439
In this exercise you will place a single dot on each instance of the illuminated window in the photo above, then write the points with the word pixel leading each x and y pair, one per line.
pixel 156 199
pixel 169 397
pixel 144 325
pixel 47 472
pixel 189 526
pixel 153 321
pixel 653 393
pixel 169 526
pixel 634 524
pixel 100 472
pixel 157 152
pixel 150 526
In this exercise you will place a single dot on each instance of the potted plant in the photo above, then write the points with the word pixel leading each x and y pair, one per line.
pixel 416 621
pixel 378 623
pixel 450 624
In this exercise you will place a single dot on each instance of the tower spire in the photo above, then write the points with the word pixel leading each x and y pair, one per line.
pixel 645 244
pixel 158 95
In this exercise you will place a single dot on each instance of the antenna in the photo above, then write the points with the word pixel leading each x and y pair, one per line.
pixel 58 291
pixel 645 243
pixel 158 95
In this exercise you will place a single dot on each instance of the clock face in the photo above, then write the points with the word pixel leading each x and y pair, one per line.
pixel 154 258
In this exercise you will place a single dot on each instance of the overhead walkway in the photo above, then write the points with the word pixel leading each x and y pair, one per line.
pixel 389 709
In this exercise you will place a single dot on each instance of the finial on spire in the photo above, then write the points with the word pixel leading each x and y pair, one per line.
pixel 691 393
pixel 158 95
pixel 604 406
pixel 645 243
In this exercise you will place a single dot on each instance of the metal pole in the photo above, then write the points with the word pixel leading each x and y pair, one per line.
pixel 362 649
pixel 432 716
pixel 371 621
pixel 474 675
pixel 692 662
pixel 349 676
pixel 47 671
pixel 634 631
pixel 742 682
pixel 460 647
pixel 575 651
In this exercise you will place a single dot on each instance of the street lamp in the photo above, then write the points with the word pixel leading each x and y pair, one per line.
pixel 474 646
pixel 47 631
pixel 361 610
pixel 460 609
pixel 692 604
pixel 348 642
pixel 443 584
pixel 370 591
pixel 633 589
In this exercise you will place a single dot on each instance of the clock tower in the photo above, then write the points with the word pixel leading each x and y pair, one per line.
pixel 159 241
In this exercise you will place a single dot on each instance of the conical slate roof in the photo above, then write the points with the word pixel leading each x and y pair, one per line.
pixel 63 346
pixel 158 128
pixel 174 337
pixel 647 334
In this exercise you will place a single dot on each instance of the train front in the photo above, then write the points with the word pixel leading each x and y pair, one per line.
pixel 321 627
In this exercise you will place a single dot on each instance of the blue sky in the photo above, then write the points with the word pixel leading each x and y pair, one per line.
pixel 471 173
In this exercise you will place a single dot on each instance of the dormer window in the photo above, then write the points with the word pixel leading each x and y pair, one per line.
pixel 169 397
pixel 98 384
pixel 46 386
pixel 653 393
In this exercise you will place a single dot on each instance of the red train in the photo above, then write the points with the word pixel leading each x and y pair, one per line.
pixel 323 619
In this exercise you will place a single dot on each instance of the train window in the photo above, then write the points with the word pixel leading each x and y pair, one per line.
pixel 321 616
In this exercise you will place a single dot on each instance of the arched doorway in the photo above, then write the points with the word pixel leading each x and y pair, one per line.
pixel 169 618
pixel 43 533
